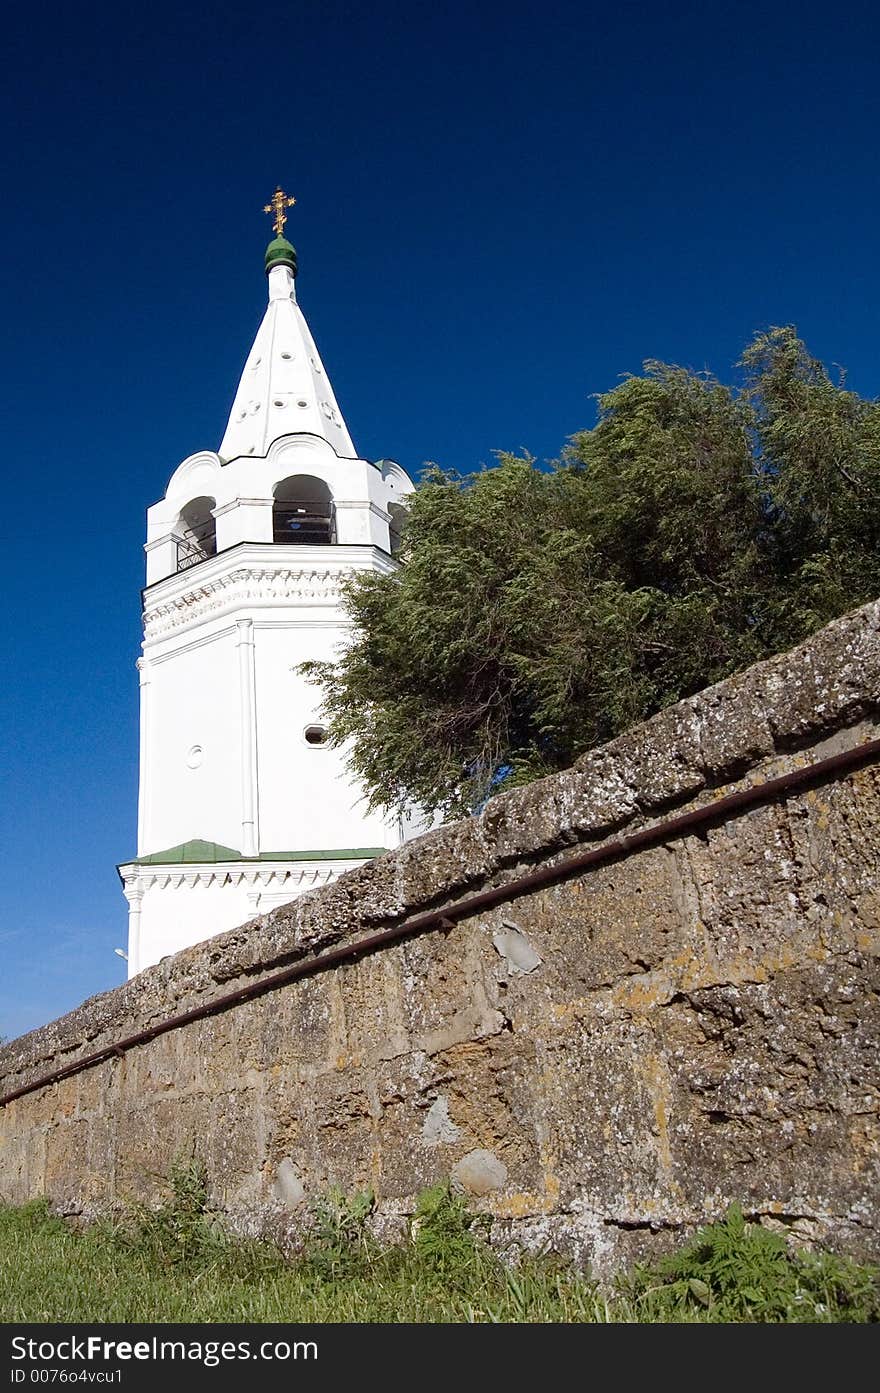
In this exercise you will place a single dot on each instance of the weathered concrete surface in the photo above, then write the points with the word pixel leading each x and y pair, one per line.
pixel 602 1064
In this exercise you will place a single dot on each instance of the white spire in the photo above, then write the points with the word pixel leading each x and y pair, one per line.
pixel 284 389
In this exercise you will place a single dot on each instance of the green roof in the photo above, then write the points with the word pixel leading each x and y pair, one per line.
pixel 349 853
pixel 190 851
pixel 209 853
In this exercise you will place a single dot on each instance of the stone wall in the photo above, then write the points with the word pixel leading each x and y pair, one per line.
pixel 602 1063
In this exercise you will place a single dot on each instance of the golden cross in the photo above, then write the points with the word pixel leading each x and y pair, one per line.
pixel 280 201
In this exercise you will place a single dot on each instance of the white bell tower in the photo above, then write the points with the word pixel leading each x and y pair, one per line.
pixel 242 804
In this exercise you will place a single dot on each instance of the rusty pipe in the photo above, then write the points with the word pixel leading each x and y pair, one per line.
pixel 617 848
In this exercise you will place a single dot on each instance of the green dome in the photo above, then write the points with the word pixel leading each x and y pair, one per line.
pixel 280 253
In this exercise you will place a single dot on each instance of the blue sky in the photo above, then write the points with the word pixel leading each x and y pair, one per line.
pixel 501 209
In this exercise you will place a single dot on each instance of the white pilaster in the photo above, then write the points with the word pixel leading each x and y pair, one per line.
pixel 243 520
pixel 135 895
pixel 161 558
pixel 250 834
pixel 361 522
pixel 143 667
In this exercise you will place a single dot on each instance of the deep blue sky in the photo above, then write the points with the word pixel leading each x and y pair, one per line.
pixel 501 209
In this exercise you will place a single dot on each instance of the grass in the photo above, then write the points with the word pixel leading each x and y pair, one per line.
pixel 177 1264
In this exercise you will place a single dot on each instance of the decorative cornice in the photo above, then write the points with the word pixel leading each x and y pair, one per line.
pixel 137 879
pixel 309 585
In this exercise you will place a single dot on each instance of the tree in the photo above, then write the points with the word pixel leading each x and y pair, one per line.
pixel 817 446
pixel 538 612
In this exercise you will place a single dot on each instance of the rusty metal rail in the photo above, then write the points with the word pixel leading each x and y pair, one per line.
pixel 617 848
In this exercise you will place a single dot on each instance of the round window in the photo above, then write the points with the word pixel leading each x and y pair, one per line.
pixel 315 735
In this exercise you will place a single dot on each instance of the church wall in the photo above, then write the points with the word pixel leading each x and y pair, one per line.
pixel 203 905
pixel 307 796
pixel 602 1062
pixel 270 607
pixel 194 713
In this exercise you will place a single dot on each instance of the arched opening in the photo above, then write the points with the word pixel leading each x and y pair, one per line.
pixel 397 521
pixel 302 513
pixel 195 533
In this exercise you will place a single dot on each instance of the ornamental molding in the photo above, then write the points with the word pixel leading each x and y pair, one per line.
pixel 261 584
pixel 135 883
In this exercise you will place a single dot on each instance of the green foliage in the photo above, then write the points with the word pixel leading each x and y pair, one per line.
pixel 446 1236
pixel 340 1242
pixel 181 1231
pixel 735 1271
pixel 443 1270
pixel 36 1214
pixel 446 1241
pixel 819 451
pixel 695 529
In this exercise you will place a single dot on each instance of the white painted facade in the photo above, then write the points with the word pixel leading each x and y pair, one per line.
pixel 239 811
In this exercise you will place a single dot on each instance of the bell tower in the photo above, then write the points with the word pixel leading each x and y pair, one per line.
pixel 242 803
